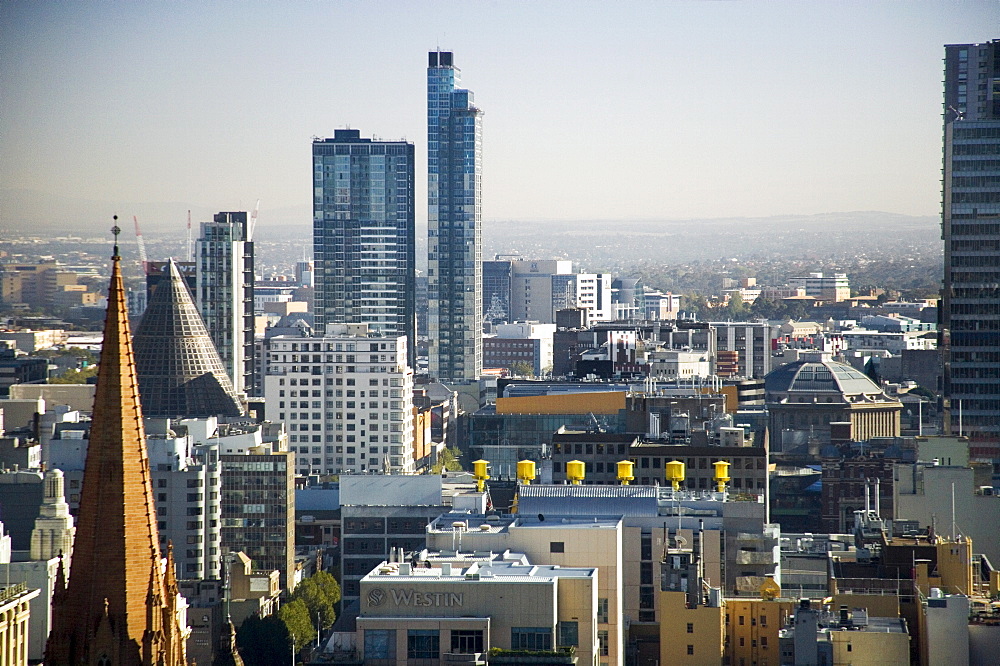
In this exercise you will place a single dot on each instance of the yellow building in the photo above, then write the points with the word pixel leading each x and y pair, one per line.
pixel 14 616
pixel 605 402
pixel 752 630
pixel 690 635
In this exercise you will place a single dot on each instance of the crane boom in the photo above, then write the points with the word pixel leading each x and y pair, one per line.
pixel 142 245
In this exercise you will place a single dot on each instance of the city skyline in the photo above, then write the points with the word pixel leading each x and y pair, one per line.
pixel 796 109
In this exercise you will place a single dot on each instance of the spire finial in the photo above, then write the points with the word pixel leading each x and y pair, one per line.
pixel 116 230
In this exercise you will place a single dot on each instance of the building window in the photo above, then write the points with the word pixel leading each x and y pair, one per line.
pixel 690 649
pixel 569 634
pixel 602 642
pixel 531 638
pixel 690 627
pixel 466 641
pixel 380 644
pixel 423 644
pixel 602 611
pixel 557 547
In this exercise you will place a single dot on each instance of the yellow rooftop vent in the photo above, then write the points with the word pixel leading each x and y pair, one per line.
pixel 481 473
pixel 721 474
pixel 625 471
pixel 576 470
pixel 675 473
pixel 525 471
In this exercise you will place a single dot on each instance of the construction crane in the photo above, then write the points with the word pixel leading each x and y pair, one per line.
pixel 253 221
pixel 142 245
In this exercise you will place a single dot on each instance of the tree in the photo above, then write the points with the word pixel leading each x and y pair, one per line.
pixel 73 376
pixel 319 593
pixel 263 641
pixel 448 460
pixel 522 369
pixel 295 616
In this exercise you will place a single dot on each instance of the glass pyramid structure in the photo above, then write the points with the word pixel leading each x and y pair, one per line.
pixel 180 372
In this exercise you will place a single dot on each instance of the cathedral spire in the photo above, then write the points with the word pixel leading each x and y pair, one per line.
pixel 116 585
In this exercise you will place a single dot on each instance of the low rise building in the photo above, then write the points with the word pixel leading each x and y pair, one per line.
pixel 846 637
pixel 458 612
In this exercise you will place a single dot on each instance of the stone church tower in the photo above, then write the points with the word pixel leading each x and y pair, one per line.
pixel 120 606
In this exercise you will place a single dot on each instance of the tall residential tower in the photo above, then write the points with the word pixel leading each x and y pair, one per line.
pixel 970 304
pixel 363 234
pixel 454 219
pixel 224 268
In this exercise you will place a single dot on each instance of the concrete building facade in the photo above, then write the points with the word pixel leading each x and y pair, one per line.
pixel 347 399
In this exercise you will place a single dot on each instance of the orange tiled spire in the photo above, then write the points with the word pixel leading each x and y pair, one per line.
pixel 117 608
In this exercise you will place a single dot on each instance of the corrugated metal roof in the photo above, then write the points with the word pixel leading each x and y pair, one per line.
pixel 595 500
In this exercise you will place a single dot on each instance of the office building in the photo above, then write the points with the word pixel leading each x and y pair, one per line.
pixel 466 610
pixel 835 287
pixel 363 234
pixel 497 276
pixel 258 510
pixel 15 608
pixel 970 304
pixel 520 346
pixel 454 219
pixel 224 269
pixel 347 400
pixel 752 343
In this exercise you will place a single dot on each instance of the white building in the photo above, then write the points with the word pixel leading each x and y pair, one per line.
pixel 346 398
pixel 225 292
pixel 540 288
pixel 678 364
pixel 834 287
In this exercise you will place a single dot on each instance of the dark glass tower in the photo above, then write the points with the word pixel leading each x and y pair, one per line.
pixel 363 234
pixel 454 218
pixel 970 304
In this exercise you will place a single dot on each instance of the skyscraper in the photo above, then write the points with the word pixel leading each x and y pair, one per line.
pixel 454 218
pixel 120 606
pixel 363 234
pixel 224 268
pixel 970 304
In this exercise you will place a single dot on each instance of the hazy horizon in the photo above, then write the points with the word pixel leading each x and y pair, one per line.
pixel 592 110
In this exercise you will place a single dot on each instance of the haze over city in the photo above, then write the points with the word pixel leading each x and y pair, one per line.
pixel 593 110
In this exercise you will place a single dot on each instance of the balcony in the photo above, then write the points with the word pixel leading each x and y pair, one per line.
pixel 540 657
pixel 475 658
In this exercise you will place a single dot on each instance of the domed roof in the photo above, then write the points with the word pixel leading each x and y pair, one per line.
pixel 818 373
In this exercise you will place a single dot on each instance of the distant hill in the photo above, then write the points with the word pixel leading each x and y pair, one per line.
pixel 594 244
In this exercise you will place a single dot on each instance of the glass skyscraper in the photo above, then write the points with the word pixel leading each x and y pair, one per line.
pixel 454 218
pixel 970 304
pixel 363 235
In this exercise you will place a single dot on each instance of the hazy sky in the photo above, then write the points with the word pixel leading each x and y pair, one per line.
pixel 592 109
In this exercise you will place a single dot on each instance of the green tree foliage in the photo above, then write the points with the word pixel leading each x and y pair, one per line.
pixel 448 461
pixel 319 593
pixel 295 616
pixel 522 369
pixel 73 376
pixel 263 641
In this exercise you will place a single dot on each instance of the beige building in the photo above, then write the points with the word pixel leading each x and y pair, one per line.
pixel 14 616
pixel 459 611
pixel 563 541
pixel 692 634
